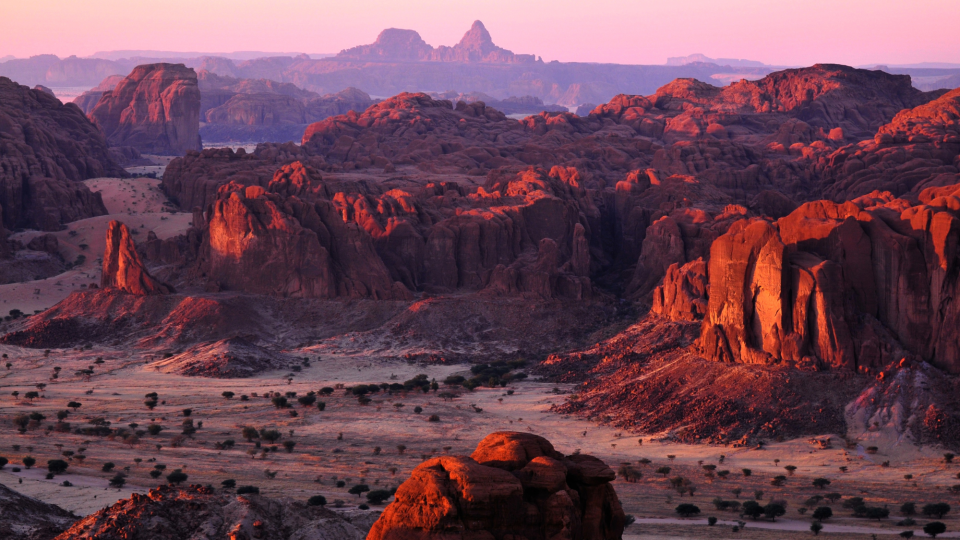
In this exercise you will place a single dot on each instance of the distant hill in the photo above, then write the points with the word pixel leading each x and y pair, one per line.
pixel 694 58
pixel 236 55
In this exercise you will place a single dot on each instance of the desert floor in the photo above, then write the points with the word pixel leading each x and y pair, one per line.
pixel 137 202
pixel 321 457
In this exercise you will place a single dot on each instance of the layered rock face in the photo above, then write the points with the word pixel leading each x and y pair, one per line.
pixel 46 149
pixel 514 486
pixel 171 513
pixel 299 235
pixel 122 267
pixel 829 285
pixel 155 109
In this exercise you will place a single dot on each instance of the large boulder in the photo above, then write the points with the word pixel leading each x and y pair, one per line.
pixel 514 486
pixel 155 109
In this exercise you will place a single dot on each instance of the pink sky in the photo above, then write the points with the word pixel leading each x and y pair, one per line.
pixel 795 32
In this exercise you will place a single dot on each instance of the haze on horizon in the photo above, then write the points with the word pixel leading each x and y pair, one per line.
pixel 853 32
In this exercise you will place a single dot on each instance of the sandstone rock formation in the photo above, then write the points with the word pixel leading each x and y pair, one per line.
pixel 515 485
pixel 918 148
pixel 46 149
pixel 299 235
pixel 657 193
pixel 26 518
pixel 829 284
pixel 650 378
pixel 171 513
pixel 39 259
pixel 122 267
pixel 155 109
pixel 682 296
pixel 5 247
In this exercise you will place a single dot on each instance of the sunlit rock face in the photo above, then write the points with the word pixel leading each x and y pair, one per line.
pixel 155 109
pixel 122 267
pixel 513 486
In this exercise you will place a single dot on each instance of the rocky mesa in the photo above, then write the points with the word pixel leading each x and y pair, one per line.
pixel 155 109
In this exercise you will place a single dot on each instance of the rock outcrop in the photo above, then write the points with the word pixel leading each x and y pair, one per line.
pixel 301 236
pixel 155 109
pixel 26 518
pixel 848 286
pixel 258 242
pixel 514 486
pixel 172 513
pixel 46 149
pixel 122 267
pixel 682 296
pixel 918 148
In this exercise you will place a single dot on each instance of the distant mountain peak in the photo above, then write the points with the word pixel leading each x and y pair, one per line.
pixel 400 36
pixel 700 57
pixel 394 44
pixel 477 38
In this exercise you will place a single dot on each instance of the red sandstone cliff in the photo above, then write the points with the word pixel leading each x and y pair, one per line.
pixel 303 236
pixel 155 109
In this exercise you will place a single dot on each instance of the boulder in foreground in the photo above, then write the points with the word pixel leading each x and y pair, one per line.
pixel 515 486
